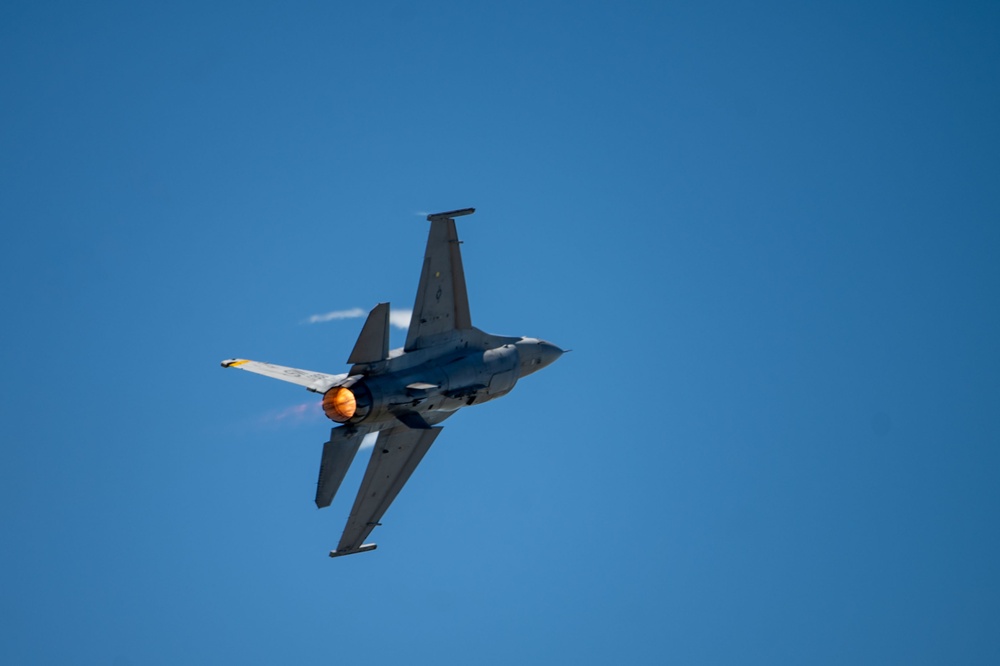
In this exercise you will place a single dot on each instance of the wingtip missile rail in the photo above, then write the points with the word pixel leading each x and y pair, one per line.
pixel 364 548
pixel 450 214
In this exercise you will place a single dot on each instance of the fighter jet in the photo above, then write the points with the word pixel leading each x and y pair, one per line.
pixel 402 395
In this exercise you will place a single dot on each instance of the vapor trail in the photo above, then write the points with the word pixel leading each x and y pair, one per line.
pixel 353 313
pixel 293 415
pixel 398 318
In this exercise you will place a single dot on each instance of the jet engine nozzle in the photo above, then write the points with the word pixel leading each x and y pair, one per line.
pixel 339 404
pixel 347 403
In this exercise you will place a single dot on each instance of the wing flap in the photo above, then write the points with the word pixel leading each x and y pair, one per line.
pixel 396 454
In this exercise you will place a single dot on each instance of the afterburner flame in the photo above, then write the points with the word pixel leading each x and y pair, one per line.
pixel 339 404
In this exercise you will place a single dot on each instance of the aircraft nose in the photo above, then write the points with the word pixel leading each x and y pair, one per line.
pixel 547 353
pixel 536 354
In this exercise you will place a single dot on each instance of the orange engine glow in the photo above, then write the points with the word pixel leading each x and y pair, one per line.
pixel 339 404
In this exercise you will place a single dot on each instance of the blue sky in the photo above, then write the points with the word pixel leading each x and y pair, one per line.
pixel 769 231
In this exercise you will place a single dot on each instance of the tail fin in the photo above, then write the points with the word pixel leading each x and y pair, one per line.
pixel 373 343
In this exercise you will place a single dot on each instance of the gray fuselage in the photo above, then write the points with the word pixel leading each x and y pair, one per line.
pixel 424 387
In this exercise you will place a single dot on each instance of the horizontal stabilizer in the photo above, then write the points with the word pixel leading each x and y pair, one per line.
pixel 314 381
pixel 338 454
pixel 360 549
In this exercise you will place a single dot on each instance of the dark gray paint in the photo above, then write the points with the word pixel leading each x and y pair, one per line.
pixel 445 365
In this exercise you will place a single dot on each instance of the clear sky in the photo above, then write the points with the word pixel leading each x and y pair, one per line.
pixel 770 232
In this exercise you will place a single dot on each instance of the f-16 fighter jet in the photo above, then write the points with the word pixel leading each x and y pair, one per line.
pixel 403 394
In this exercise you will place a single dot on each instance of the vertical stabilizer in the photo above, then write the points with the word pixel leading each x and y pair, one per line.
pixel 373 343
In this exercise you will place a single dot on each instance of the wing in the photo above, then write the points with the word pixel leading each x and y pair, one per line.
pixel 314 381
pixel 396 454
pixel 442 302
